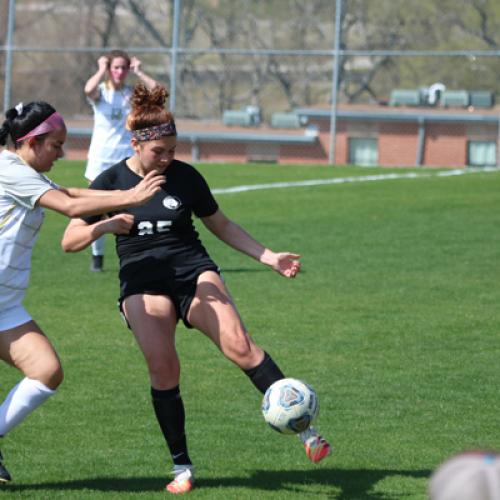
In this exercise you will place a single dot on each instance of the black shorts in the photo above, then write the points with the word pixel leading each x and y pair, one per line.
pixel 161 278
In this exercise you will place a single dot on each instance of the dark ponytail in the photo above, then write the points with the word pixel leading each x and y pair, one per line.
pixel 22 119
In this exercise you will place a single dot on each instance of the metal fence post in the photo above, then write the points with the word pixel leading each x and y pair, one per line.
pixel 173 52
pixel 335 83
pixel 420 143
pixel 8 54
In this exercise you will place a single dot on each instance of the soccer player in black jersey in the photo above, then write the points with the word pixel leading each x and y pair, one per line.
pixel 166 274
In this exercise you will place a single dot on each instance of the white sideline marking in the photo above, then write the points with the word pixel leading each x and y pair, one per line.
pixel 343 180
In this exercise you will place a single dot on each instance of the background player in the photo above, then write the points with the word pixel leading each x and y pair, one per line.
pixel 109 96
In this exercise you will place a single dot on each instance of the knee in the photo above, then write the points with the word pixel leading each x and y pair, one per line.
pixel 242 351
pixel 238 349
pixel 54 376
pixel 51 375
pixel 164 373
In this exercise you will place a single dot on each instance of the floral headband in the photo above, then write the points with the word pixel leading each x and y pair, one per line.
pixel 155 132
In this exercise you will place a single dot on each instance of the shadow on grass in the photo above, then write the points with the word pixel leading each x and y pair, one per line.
pixel 249 270
pixel 243 270
pixel 353 484
pixel 114 270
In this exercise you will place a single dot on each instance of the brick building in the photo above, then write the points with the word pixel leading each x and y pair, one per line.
pixel 389 136
pixel 366 135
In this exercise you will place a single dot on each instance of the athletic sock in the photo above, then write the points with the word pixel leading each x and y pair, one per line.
pixel 169 410
pixel 23 398
pixel 98 246
pixel 264 374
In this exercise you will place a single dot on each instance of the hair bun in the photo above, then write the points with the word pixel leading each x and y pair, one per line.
pixel 143 97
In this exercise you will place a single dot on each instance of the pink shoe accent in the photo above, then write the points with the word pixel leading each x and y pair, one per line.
pixel 317 448
pixel 183 483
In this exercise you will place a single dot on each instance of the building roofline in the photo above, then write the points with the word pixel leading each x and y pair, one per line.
pixel 400 116
pixel 309 137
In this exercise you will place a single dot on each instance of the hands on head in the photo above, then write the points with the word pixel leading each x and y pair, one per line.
pixel 103 63
pixel 135 64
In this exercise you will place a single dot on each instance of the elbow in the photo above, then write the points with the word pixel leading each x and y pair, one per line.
pixel 73 239
pixel 68 207
pixel 74 247
pixel 90 93
pixel 67 246
pixel 73 212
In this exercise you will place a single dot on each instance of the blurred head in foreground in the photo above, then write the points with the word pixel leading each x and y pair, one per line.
pixel 471 475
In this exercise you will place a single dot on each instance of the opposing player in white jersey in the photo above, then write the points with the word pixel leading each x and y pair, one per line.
pixel 110 101
pixel 35 134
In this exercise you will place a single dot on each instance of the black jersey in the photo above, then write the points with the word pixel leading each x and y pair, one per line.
pixel 163 228
pixel 166 220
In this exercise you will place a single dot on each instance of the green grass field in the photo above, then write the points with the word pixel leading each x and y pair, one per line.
pixel 395 321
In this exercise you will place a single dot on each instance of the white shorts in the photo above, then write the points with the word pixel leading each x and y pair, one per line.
pixel 12 317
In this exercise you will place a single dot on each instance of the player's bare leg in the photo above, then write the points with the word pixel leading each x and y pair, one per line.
pixel 213 312
pixel 153 321
pixel 28 349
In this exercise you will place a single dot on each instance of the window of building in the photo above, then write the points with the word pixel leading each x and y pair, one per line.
pixel 482 153
pixel 363 151
pixel 262 152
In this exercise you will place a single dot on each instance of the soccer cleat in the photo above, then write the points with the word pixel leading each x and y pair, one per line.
pixel 97 263
pixel 317 448
pixel 4 473
pixel 183 481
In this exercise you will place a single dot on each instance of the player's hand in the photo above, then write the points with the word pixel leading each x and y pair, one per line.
pixel 119 224
pixel 147 188
pixel 287 264
pixel 103 63
pixel 135 64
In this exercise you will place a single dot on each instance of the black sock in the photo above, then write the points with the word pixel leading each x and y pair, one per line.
pixel 264 374
pixel 169 410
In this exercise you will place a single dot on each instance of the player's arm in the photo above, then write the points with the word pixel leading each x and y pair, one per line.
pixel 85 192
pixel 135 66
pixel 285 263
pixel 91 86
pixel 61 202
pixel 79 235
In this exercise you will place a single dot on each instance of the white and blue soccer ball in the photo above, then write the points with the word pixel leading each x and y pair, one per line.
pixel 290 406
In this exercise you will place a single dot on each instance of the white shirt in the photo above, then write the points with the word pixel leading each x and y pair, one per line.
pixel 110 139
pixel 20 221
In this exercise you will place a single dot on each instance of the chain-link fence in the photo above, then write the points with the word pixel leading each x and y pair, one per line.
pixel 263 61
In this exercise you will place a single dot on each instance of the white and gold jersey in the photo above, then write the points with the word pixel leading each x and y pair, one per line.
pixel 20 220
pixel 110 141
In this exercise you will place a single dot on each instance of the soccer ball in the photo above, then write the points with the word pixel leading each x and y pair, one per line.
pixel 290 406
